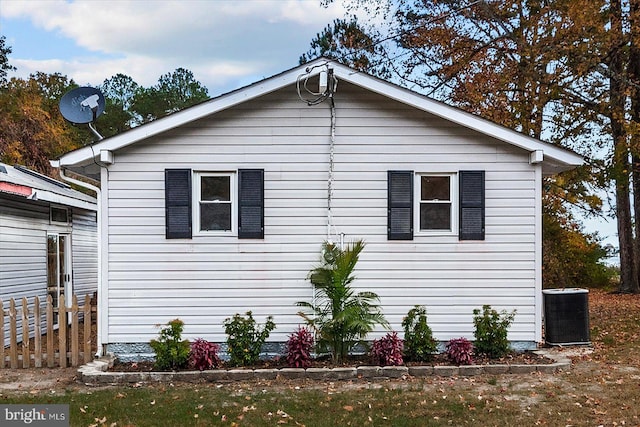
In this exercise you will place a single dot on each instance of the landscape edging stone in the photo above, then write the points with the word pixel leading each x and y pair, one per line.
pixel 97 372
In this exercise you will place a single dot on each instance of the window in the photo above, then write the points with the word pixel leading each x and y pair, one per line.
pixel 444 204
pixel 59 215
pixel 436 209
pixel 224 203
pixel 215 202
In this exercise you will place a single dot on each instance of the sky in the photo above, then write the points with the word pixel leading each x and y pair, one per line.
pixel 227 44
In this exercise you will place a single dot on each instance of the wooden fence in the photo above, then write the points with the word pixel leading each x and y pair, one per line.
pixel 44 341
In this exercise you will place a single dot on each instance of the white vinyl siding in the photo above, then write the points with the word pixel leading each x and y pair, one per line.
pixel 206 279
pixel 23 251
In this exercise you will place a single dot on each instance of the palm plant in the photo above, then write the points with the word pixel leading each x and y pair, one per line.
pixel 340 317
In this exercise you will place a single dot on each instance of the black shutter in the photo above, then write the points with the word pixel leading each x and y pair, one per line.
pixel 471 205
pixel 400 205
pixel 251 204
pixel 177 199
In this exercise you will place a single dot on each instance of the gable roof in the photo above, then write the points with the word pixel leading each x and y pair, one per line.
pixel 23 182
pixel 554 159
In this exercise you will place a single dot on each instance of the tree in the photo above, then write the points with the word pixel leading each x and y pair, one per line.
pixel 174 92
pixel 536 66
pixel 634 78
pixel 32 131
pixel 4 61
pixel 347 41
pixel 119 92
pixel 340 317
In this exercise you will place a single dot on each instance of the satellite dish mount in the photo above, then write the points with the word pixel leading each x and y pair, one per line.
pixel 83 105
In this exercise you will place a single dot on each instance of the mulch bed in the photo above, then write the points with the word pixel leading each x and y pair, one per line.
pixel 524 358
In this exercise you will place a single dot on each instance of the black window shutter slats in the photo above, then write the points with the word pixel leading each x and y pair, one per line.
pixel 471 205
pixel 400 205
pixel 251 204
pixel 177 203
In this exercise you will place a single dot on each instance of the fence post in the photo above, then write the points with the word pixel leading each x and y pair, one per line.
pixel 25 334
pixel 74 331
pixel 51 357
pixel 62 331
pixel 87 328
pixel 13 335
pixel 37 337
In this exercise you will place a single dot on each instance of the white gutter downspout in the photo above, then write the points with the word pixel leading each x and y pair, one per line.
pixel 56 164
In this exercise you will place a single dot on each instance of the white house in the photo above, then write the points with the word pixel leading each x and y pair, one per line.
pixel 48 238
pixel 223 207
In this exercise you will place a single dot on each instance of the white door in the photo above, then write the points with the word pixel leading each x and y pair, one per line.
pixel 59 275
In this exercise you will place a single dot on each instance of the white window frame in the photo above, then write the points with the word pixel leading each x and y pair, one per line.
pixel 197 176
pixel 453 194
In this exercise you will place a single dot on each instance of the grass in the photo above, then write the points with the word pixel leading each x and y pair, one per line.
pixel 602 388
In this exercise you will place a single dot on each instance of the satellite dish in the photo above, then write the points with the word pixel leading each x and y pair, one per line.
pixel 82 105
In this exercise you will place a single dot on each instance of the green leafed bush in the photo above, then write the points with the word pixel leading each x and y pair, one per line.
pixel 491 330
pixel 172 352
pixel 245 338
pixel 340 316
pixel 419 345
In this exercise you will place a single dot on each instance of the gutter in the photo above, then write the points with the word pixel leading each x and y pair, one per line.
pixel 56 164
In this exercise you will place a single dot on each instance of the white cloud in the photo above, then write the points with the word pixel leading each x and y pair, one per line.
pixel 222 42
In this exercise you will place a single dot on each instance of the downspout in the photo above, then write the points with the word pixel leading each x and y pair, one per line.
pixel 56 164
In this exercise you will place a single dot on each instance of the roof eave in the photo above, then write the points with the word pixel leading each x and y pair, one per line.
pixel 561 159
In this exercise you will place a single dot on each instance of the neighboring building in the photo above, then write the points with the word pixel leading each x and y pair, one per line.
pixel 48 238
pixel 223 207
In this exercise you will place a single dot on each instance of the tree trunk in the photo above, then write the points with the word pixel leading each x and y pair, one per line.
pixel 621 162
pixel 634 78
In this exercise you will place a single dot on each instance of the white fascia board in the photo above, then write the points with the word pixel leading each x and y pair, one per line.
pixel 59 199
pixel 458 116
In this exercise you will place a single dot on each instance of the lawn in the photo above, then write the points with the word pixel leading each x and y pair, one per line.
pixel 602 388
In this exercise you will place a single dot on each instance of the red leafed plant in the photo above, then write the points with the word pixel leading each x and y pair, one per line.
pixel 204 355
pixel 460 351
pixel 387 351
pixel 299 346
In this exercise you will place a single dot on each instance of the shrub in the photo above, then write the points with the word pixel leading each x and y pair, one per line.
pixel 491 330
pixel 419 344
pixel 245 338
pixel 204 355
pixel 387 351
pixel 299 346
pixel 460 351
pixel 172 352
pixel 340 317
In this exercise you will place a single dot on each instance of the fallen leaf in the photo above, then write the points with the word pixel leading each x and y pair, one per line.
pixel 348 408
